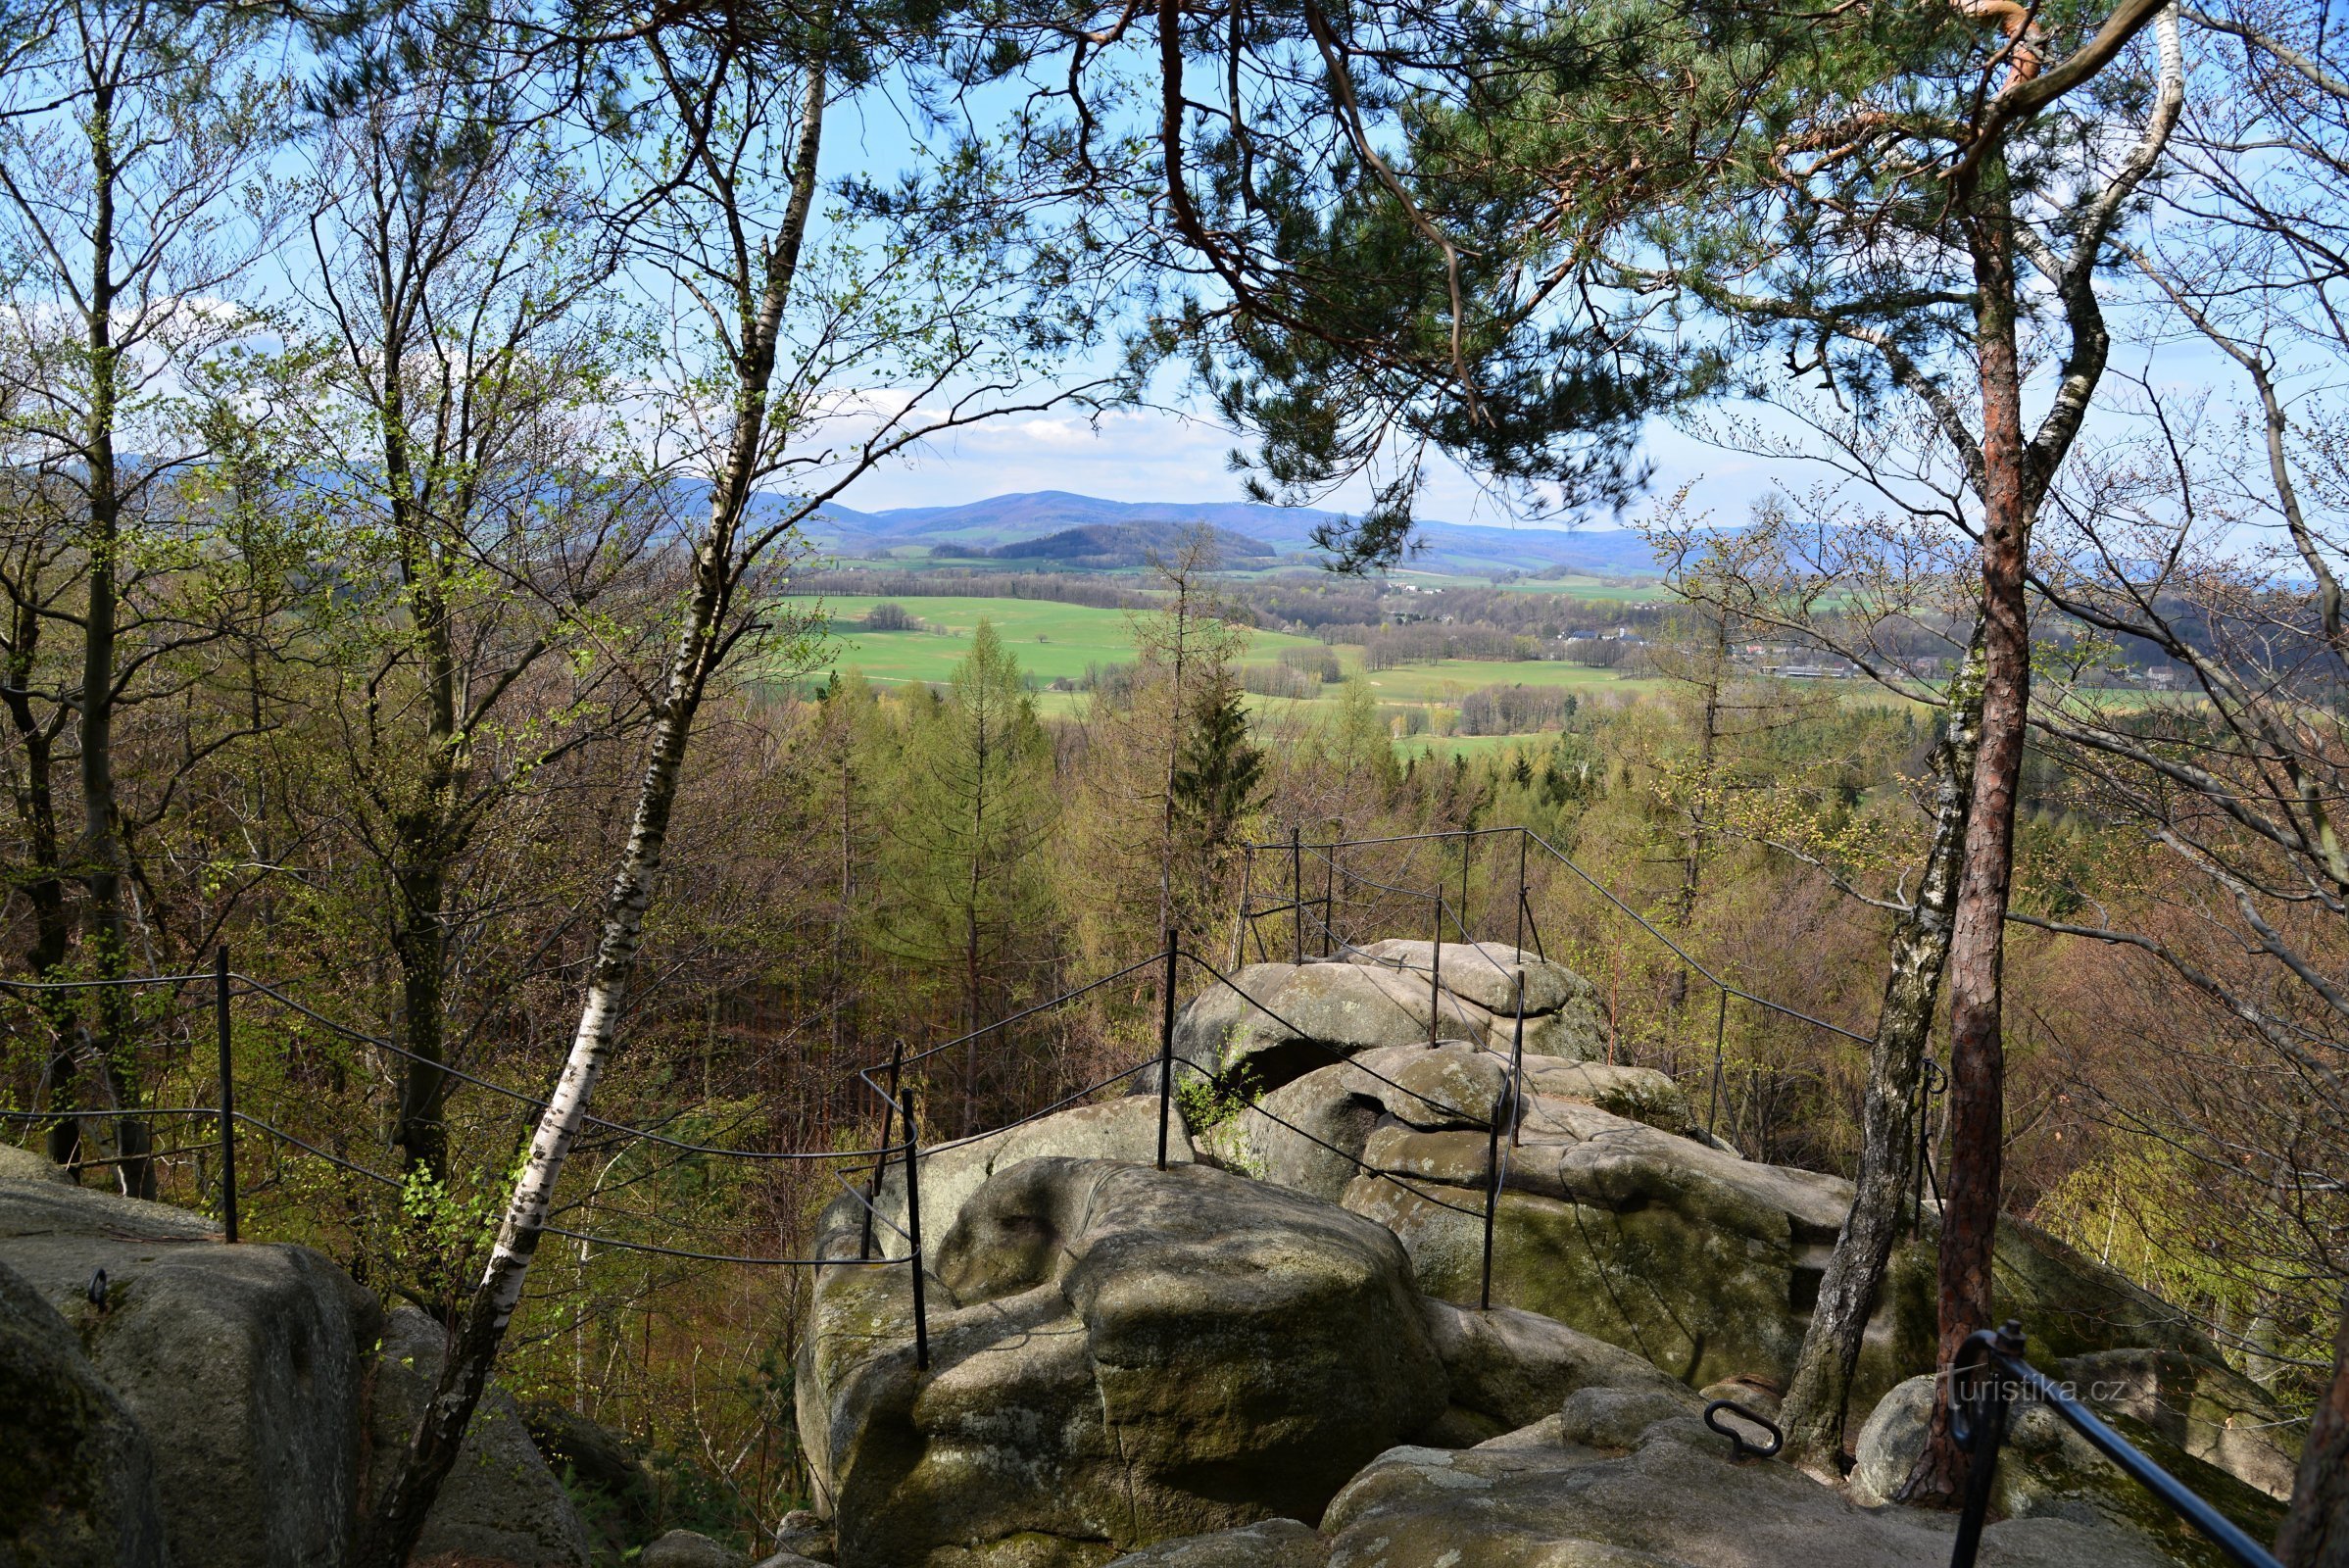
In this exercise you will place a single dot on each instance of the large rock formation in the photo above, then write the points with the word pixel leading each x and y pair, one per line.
pixel 243 1366
pixel 223 1393
pixel 1119 1354
pixel 1616 1479
pixel 1122 1355
pixel 1620 1217
pixel 1278 1021
pixel 1589 1488
pixel 77 1479
pixel 500 1503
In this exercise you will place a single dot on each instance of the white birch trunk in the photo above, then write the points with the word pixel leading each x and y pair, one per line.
pixel 408 1496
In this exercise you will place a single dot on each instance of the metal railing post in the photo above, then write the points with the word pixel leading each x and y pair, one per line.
pixel 1297 892
pixel 921 1318
pixel 1521 890
pixel 1712 1117
pixel 1507 1097
pixel 1167 1047
pixel 1979 1429
pixel 873 1187
pixel 1436 971
pixel 1492 1201
pixel 1248 877
pixel 219 1012
pixel 1329 902
pixel 1517 1066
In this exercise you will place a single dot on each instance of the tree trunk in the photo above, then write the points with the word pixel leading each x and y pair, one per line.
pixel 1815 1407
pixel 408 1494
pixel 1977 1053
pixel 43 876
pixel 2315 1532
pixel 421 943
pixel 101 848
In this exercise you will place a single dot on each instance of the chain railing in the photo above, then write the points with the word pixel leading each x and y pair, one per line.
pixel 1316 929
pixel 1988 1374
pixel 900 1141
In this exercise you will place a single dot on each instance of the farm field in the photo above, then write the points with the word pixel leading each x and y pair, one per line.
pixel 1446 746
pixel 1450 679
pixel 1050 641
pixel 1057 642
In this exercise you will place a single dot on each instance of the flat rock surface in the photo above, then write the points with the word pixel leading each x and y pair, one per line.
pixel 1673 1501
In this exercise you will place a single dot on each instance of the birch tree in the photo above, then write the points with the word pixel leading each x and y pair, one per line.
pixel 779 325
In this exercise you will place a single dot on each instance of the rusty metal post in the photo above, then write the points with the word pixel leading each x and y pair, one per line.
pixel 921 1318
pixel 1167 1047
pixel 1436 971
pixel 220 1012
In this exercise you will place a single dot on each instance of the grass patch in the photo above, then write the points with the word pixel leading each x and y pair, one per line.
pixel 1050 641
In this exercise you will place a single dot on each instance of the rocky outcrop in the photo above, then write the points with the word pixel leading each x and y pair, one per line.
pixel 2048 1471
pixel 244 1366
pixel 1618 1216
pixel 1668 1496
pixel 77 1479
pixel 1125 1129
pixel 687 1548
pixel 1618 1478
pixel 244 1382
pixel 1119 1354
pixel 1274 1543
pixel 499 1505
pixel 1276 1022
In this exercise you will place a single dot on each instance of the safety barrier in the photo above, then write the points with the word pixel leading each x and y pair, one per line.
pixel 1986 1378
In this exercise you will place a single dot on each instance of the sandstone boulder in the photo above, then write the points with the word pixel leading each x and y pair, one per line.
pixel 1274 1543
pixel 29 1165
pixel 687 1548
pixel 244 1366
pixel 77 1478
pixel 805 1536
pixel 1276 1022
pixel 1674 1498
pixel 1708 1265
pixel 2048 1471
pixel 1119 1355
pixel 1123 1129
pixel 501 1506
pixel 1507 1369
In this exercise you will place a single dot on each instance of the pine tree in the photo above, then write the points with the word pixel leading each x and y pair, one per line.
pixel 966 886
pixel 1217 781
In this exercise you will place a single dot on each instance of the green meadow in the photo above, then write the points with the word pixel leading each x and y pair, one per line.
pixel 1052 641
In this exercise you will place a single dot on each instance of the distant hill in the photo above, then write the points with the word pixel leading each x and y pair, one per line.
pixel 1108 546
pixel 999 521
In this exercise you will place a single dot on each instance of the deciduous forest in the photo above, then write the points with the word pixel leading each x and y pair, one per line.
pixel 425 695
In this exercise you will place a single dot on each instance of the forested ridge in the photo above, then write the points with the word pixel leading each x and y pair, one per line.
pixel 411 419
